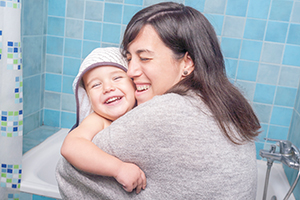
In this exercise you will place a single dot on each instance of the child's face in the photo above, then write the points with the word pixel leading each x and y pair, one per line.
pixel 110 90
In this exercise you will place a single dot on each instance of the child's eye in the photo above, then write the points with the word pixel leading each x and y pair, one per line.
pixel 117 77
pixel 96 85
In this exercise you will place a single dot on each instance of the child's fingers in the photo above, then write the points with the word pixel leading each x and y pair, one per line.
pixel 144 180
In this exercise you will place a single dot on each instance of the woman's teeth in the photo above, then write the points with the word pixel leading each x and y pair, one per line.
pixel 142 88
pixel 112 99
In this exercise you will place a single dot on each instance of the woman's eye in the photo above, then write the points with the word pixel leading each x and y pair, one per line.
pixel 144 59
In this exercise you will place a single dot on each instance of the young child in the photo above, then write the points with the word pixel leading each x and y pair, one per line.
pixel 103 93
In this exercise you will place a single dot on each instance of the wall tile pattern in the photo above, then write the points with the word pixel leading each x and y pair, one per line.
pixel 260 41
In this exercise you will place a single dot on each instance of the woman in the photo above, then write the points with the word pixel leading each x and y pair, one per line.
pixel 192 132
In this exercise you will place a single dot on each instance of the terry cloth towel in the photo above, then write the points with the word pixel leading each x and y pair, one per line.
pixel 98 57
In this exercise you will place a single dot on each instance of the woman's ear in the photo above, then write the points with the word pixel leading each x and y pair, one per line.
pixel 188 65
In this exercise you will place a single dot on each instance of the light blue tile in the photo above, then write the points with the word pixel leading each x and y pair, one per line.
pixel 113 13
pixel 52 100
pixel 88 47
pixel 54 64
pixel 151 2
pixel 68 119
pixel 56 26
pixel 103 44
pixel 255 29
pixel 114 1
pixel 134 2
pixel 57 7
pixel 198 5
pixel 276 31
pixel 295 13
pixel 71 66
pixel 74 28
pixel 268 74
pixel 294 129
pixel 93 10
pixel 33 12
pixel 247 70
pixel 67 84
pixel 285 96
pixel 264 130
pixel 129 11
pixel 215 6
pixel 263 112
pixel 53 82
pixel 281 10
pixel 92 30
pixel 231 47
pixel 32 56
pixel 278 132
pixel 297 103
pixel 55 45
pixel 233 26
pixel 75 9
pixel 251 50
pixel 281 116
pixel 289 76
pixel 25 196
pixel 264 93
pixel 246 88
pixel 68 102
pixel 231 66
pixel 32 94
pixel 216 21
pixel 51 118
pixel 291 55
pixel 72 47
pixel 272 53
pixel 237 7
pixel 30 122
pixel 111 33
pixel 259 146
pixel 294 34
pixel 259 9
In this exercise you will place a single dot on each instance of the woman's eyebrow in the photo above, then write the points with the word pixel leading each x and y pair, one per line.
pixel 144 51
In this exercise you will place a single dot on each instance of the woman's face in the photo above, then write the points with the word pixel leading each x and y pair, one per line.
pixel 152 65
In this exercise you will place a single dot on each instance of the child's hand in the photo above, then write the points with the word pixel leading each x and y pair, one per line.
pixel 131 177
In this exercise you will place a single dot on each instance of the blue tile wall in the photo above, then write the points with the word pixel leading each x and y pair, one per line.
pixel 260 41
pixel 33 29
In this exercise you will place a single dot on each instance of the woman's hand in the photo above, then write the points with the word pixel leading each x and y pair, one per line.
pixel 131 177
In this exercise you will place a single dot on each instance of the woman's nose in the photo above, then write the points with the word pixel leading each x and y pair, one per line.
pixel 134 69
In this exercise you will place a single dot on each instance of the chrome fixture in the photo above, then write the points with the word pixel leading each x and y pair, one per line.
pixel 288 154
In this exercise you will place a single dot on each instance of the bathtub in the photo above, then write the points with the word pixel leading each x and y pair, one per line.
pixel 39 166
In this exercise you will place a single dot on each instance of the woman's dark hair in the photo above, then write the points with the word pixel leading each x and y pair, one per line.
pixel 185 30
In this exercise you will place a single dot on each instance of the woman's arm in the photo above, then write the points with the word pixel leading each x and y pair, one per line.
pixel 86 156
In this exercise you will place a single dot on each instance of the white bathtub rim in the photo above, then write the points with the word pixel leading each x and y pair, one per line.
pixel 31 182
pixel 278 176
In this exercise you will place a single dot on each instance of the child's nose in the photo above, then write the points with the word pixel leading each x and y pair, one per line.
pixel 108 87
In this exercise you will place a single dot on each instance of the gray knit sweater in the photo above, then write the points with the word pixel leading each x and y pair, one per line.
pixel 181 149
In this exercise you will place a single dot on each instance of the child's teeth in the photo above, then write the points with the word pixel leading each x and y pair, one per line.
pixel 112 99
